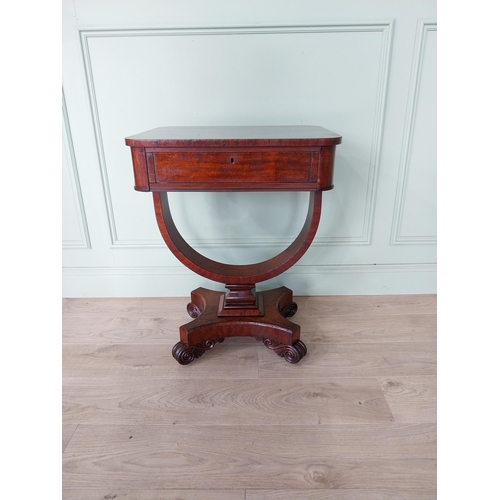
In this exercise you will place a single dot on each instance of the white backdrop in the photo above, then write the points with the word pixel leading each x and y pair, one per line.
pixel 365 70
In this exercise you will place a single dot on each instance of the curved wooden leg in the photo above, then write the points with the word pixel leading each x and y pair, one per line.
pixel 230 273
pixel 241 311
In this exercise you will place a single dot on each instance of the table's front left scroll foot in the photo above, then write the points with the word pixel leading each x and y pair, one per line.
pixel 291 353
pixel 185 355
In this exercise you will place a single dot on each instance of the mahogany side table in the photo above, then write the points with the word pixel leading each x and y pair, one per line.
pixel 268 158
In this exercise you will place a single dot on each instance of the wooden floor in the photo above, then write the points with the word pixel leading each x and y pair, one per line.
pixel 355 419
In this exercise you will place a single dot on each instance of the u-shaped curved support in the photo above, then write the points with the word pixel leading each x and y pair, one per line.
pixel 230 273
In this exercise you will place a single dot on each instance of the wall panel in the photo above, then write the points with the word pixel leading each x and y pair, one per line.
pixel 335 70
pixel 415 210
pixel 75 233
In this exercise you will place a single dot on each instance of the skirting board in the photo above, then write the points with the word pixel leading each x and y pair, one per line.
pixel 384 279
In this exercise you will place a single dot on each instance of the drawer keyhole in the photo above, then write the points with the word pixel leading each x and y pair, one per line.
pixel 232 160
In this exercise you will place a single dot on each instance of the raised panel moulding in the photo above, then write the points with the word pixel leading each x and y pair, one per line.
pixel 84 241
pixel 374 159
pixel 176 281
pixel 408 139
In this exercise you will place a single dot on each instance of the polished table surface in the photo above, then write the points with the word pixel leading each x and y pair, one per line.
pixel 270 158
pixel 250 158
pixel 301 135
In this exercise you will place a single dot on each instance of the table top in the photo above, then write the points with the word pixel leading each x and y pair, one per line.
pixel 264 158
pixel 223 136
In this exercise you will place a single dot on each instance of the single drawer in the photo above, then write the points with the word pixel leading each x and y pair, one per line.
pixel 233 167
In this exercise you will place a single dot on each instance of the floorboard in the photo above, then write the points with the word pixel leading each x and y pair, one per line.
pixel 228 402
pixel 354 420
pixel 338 456
pixel 170 494
pixel 229 360
pixel 411 399
pixel 364 494
pixel 354 360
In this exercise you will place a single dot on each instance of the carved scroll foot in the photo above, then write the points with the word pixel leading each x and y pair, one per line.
pixel 291 353
pixel 193 310
pixel 289 310
pixel 185 355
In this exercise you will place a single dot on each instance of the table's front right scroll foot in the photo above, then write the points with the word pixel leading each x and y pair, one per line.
pixel 185 355
pixel 291 353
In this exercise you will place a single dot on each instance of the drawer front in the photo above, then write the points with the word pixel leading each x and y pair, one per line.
pixel 233 167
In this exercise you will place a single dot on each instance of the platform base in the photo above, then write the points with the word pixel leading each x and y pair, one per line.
pixel 271 326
